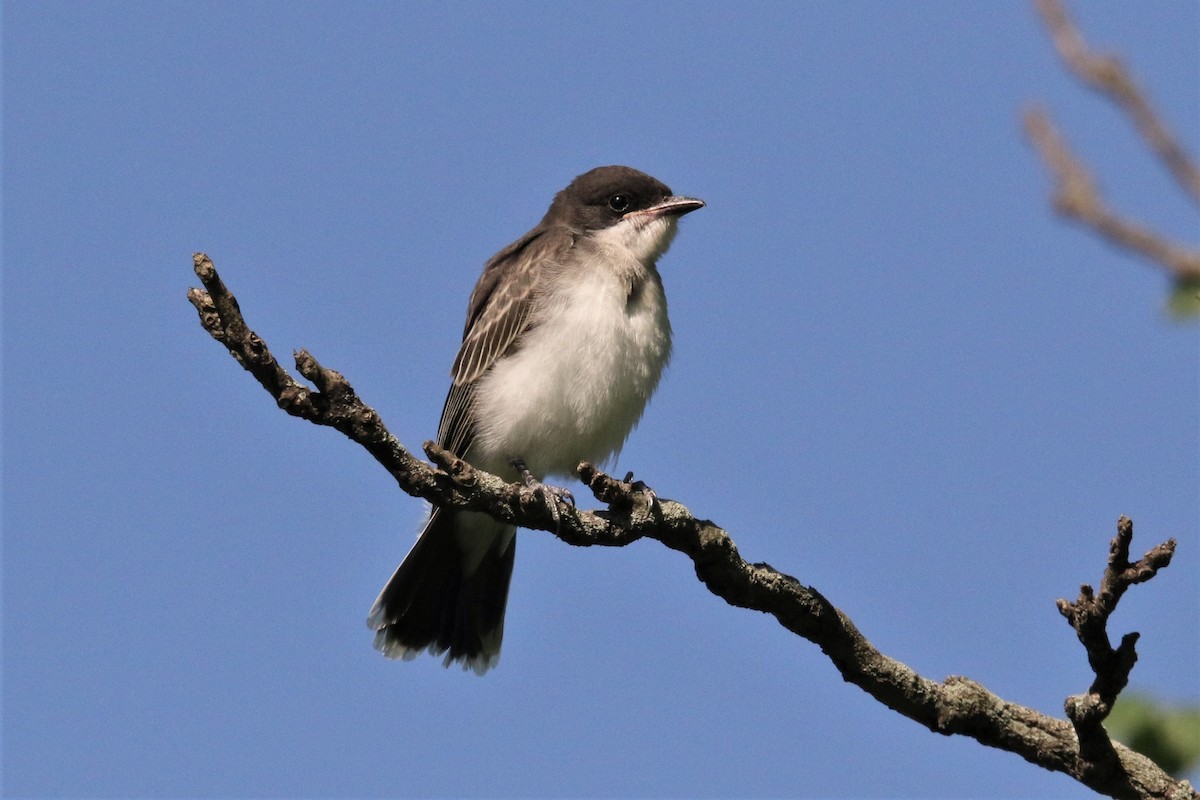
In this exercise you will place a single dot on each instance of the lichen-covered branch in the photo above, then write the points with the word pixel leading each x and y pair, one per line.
pixel 1088 615
pixel 956 705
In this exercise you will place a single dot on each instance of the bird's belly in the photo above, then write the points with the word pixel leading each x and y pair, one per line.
pixel 578 384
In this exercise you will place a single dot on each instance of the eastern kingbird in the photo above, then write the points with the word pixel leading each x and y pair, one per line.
pixel 566 338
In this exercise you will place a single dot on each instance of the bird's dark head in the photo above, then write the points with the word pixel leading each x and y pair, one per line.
pixel 626 206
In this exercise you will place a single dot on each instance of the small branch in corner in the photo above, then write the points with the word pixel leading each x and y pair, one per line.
pixel 1075 194
pixel 1089 615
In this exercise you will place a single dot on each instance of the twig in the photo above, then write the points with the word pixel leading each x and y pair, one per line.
pixel 956 705
pixel 1076 195
pixel 1108 75
pixel 1088 615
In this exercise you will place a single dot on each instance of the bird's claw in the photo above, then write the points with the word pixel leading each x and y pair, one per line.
pixel 643 489
pixel 551 495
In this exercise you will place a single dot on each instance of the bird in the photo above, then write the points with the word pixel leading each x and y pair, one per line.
pixel 566 339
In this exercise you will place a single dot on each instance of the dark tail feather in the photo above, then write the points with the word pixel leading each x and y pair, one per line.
pixel 449 594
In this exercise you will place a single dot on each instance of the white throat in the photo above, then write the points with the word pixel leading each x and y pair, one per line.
pixel 642 238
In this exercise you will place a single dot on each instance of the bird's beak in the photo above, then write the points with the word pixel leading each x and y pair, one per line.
pixel 670 207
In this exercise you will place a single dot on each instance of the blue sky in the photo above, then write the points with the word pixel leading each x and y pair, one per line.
pixel 897 376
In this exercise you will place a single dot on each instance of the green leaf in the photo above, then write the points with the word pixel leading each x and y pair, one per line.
pixel 1167 734
pixel 1184 302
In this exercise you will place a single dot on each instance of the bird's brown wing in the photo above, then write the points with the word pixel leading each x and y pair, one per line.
pixel 497 315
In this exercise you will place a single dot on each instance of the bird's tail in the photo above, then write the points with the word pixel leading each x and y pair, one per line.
pixel 449 594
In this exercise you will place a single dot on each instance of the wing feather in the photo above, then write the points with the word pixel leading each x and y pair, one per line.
pixel 497 315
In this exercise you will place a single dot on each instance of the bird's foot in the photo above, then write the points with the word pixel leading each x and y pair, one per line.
pixel 647 493
pixel 551 496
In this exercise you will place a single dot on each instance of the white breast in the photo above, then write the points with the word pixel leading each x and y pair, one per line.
pixel 581 379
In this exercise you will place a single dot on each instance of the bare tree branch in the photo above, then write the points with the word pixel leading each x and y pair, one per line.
pixel 1089 615
pixel 956 705
pixel 1076 195
pixel 1108 75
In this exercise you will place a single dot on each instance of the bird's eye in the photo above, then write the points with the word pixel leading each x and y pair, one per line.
pixel 619 203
